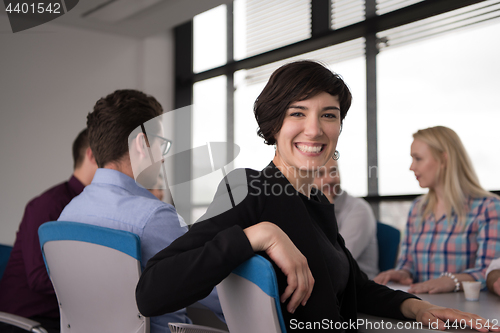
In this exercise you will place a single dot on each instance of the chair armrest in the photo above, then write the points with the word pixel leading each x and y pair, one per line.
pixel 21 322
pixel 190 328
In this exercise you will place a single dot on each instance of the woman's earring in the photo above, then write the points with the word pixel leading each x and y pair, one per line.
pixel 336 155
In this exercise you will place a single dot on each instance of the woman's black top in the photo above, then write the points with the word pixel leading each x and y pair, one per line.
pixel 327 232
pixel 195 263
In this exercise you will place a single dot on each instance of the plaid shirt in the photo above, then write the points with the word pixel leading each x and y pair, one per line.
pixel 430 248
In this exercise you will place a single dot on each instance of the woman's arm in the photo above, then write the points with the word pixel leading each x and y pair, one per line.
pixel 426 313
pixel 188 269
pixel 271 239
pixel 488 240
pixel 182 274
pixel 395 275
pixel 443 284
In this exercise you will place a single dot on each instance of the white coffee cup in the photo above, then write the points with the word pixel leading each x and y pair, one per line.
pixel 471 290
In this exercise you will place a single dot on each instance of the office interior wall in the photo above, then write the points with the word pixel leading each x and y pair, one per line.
pixel 50 78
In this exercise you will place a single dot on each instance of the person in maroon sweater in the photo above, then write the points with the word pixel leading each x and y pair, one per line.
pixel 25 288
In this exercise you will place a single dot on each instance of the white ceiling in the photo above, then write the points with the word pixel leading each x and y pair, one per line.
pixel 158 18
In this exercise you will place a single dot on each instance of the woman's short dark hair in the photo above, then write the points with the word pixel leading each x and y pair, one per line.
pixel 114 118
pixel 296 81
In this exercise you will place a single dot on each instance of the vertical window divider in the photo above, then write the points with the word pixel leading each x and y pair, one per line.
pixel 371 102
pixel 320 17
pixel 183 96
pixel 230 82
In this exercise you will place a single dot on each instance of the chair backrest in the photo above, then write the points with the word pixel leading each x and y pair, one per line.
pixel 94 271
pixel 388 239
pixel 250 299
pixel 5 251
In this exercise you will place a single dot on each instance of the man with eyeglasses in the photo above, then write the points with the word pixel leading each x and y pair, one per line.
pixel 126 136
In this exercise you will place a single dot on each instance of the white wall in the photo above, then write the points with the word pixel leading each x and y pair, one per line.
pixel 50 78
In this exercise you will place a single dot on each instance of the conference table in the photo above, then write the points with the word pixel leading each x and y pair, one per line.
pixel 487 307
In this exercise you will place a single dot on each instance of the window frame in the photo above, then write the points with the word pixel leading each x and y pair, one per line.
pixel 322 35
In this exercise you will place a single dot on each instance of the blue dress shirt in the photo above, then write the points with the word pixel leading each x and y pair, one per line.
pixel 115 200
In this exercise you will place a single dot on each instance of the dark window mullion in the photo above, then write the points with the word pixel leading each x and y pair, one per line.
pixel 230 82
pixel 183 97
pixel 371 103
pixel 320 17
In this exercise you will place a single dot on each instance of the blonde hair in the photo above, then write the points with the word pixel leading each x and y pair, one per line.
pixel 458 177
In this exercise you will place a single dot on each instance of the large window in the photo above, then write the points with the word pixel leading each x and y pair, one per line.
pixel 209 39
pixel 208 125
pixel 410 64
pixel 264 25
pixel 430 78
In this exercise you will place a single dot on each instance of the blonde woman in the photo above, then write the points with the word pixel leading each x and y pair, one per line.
pixel 453 231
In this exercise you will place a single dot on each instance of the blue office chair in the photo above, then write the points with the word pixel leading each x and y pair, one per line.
pixel 250 299
pixel 7 318
pixel 94 271
pixel 388 239
pixel 5 251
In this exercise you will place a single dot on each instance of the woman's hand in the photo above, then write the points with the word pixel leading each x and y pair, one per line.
pixel 399 276
pixel 268 237
pixel 428 313
pixel 444 284
pixel 435 286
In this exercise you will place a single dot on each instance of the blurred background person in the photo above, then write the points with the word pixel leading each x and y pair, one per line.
pixel 157 189
pixel 25 288
pixel 357 224
pixel 162 191
pixel 493 277
pixel 453 231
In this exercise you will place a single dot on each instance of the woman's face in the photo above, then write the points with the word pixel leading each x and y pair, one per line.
pixel 424 165
pixel 309 133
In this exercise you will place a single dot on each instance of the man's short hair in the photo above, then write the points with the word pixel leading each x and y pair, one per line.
pixel 113 120
pixel 80 146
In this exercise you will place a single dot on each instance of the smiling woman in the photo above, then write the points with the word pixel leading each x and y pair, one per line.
pixel 284 218
pixel 308 137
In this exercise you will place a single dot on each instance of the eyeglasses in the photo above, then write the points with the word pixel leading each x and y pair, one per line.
pixel 164 145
